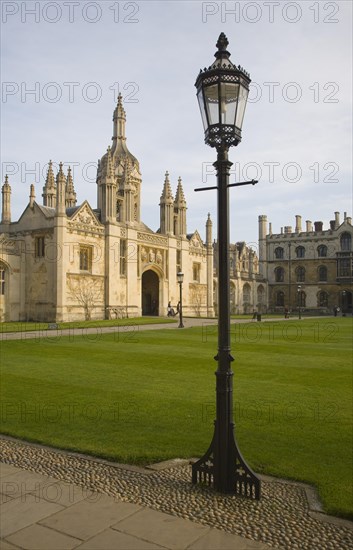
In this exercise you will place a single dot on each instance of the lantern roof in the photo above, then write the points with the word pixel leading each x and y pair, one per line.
pixel 222 60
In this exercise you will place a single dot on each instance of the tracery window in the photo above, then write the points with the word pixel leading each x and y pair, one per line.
pixel 322 251
pixel 300 274
pixel 300 252
pixel 279 274
pixel 322 299
pixel 85 258
pixel 246 293
pixel 346 241
pixel 279 253
pixel 322 273
pixel 280 298
pixel 39 247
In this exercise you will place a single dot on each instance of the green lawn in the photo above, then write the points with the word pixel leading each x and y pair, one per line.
pixel 30 326
pixel 140 397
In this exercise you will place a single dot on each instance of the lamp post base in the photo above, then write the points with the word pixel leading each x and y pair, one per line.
pixel 237 478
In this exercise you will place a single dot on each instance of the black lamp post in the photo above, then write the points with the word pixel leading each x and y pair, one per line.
pixel 222 92
pixel 180 277
pixel 299 290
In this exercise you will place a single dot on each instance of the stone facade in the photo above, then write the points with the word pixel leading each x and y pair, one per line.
pixel 62 262
pixel 309 268
pixel 248 288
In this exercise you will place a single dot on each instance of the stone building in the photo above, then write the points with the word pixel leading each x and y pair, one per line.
pixel 248 288
pixel 310 268
pixel 61 261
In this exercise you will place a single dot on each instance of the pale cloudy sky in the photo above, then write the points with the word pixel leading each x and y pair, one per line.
pixel 74 57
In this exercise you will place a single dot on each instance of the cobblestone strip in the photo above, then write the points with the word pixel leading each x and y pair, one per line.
pixel 280 519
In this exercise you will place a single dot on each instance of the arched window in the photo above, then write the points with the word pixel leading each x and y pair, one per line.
pixel 322 273
pixel 246 293
pixel 301 298
pixel 279 274
pixel 300 274
pixel 260 294
pixel 346 241
pixel 279 253
pixel 322 251
pixel 300 252
pixel 322 299
pixel 280 298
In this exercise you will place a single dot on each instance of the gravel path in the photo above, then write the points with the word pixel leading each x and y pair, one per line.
pixel 280 519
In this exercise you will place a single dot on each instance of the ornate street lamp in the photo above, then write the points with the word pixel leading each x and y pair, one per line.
pixel 222 92
pixel 299 290
pixel 180 278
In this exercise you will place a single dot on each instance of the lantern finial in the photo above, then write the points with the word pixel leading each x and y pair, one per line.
pixel 222 42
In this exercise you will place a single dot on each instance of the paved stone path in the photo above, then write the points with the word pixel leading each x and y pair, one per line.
pixel 41 513
pixel 55 500
pixel 130 329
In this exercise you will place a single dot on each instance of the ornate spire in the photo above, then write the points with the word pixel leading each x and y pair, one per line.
pixel 6 201
pixel 49 189
pixel 120 108
pixel 167 208
pixel 119 120
pixel 167 195
pixel 70 195
pixel 6 183
pixel 180 197
pixel 50 181
pixel 60 191
pixel 209 230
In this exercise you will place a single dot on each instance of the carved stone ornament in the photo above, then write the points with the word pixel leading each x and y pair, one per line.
pixel 151 255
pixel 153 239
pixel 159 257
pixel 143 254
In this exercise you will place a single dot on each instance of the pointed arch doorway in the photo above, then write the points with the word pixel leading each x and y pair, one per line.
pixel 150 293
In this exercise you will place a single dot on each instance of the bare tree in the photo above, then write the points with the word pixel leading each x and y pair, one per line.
pixel 197 297
pixel 87 291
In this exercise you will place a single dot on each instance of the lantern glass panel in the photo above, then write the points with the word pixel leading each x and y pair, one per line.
pixel 211 98
pixel 229 102
pixel 243 96
pixel 202 109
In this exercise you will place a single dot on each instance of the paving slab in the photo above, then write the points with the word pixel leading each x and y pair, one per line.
pixel 38 537
pixel 115 540
pixel 159 528
pixel 19 483
pixel 65 494
pixel 4 498
pixel 216 539
pixel 4 545
pixel 6 469
pixel 87 518
pixel 23 511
